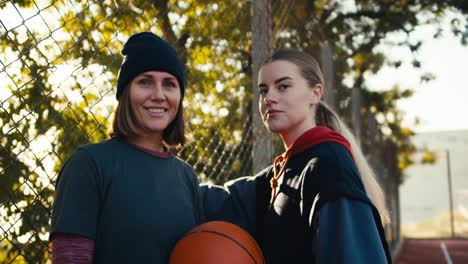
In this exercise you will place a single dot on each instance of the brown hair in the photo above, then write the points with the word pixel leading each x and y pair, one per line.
pixel 126 124
pixel 325 116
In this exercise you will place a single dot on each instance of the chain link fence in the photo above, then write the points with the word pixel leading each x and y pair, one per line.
pixel 58 67
pixel 385 164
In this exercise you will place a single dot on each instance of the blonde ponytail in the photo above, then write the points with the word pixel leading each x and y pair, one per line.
pixel 325 116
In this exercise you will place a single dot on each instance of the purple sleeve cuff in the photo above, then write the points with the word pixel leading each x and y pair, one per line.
pixel 72 249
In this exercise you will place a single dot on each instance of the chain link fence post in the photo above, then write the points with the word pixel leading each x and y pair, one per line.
pixel 261 48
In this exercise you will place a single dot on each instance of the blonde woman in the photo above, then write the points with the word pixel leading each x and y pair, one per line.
pixel 319 202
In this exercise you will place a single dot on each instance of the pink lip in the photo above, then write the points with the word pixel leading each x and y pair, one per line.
pixel 156 114
pixel 162 107
pixel 272 111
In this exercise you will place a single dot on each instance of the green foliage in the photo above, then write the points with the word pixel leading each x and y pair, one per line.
pixel 354 32
pixel 88 38
pixel 429 157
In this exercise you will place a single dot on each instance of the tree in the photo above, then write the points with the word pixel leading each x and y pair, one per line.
pixel 85 38
pixel 355 30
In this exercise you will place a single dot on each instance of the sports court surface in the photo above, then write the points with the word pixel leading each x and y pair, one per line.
pixel 429 251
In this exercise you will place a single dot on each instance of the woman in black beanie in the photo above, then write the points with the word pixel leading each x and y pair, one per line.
pixel 128 199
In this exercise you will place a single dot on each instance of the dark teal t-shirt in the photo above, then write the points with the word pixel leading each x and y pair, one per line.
pixel 134 205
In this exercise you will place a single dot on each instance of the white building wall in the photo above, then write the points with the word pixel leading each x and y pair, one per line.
pixel 424 195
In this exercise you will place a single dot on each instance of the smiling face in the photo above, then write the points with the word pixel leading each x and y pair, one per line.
pixel 154 98
pixel 287 102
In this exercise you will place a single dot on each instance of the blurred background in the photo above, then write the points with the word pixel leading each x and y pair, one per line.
pixel 395 71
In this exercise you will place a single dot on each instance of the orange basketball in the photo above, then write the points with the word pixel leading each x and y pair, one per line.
pixel 216 242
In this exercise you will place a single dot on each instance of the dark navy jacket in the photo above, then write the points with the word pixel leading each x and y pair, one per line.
pixel 321 213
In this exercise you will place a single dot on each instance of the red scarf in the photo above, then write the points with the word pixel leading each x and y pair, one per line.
pixel 310 138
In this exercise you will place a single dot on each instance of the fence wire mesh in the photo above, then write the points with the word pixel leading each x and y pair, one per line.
pixel 58 66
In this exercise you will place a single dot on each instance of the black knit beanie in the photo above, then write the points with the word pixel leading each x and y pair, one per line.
pixel 147 52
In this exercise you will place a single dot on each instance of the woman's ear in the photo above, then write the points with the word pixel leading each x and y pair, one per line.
pixel 317 93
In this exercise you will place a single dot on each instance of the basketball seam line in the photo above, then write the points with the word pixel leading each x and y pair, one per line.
pixel 258 248
pixel 228 237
